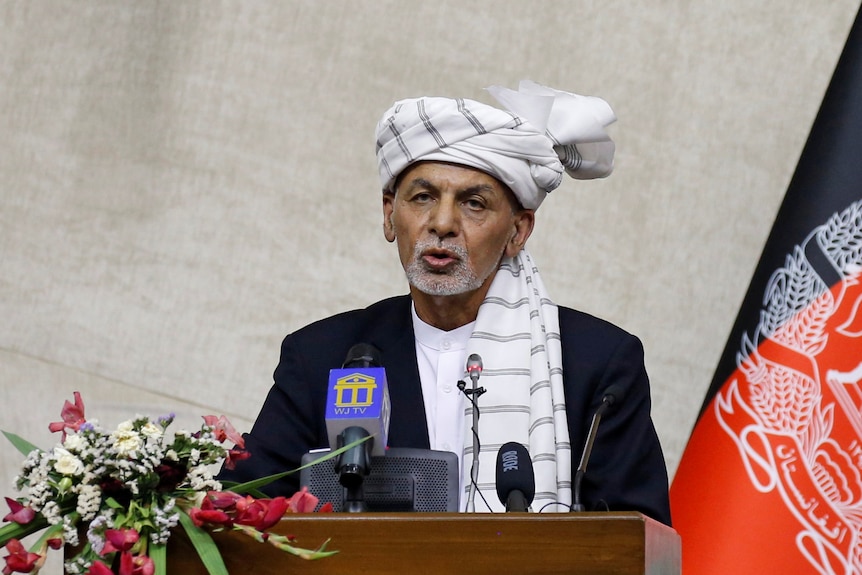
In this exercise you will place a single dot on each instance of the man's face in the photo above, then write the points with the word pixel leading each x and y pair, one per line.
pixel 453 224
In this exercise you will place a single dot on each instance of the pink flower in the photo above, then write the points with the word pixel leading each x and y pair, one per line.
pixel 303 501
pixel 223 429
pixel 73 416
pixel 18 513
pixel 119 540
pixel 19 559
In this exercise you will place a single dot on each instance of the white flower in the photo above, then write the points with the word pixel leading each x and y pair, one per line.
pixel 52 514
pixel 126 441
pixel 89 500
pixel 127 425
pixel 172 455
pixel 66 463
pixel 75 442
pixel 151 430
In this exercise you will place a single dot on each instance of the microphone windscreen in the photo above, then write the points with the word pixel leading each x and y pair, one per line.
pixel 515 472
pixel 362 355
pixel 614 394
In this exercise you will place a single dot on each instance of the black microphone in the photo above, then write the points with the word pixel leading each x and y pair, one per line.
pixel 614 394
pixel 362 355
pixel 516 482
pixel 357 407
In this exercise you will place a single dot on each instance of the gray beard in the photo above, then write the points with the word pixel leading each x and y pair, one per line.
pixel 456 280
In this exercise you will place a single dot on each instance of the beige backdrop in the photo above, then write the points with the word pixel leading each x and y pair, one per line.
pixel 183 183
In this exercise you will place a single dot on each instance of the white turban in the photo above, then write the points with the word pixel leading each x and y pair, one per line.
pixel 541 133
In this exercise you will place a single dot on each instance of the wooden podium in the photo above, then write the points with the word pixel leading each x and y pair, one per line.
pixel 451 543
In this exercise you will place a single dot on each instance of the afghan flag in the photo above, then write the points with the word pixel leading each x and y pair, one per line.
pixel 771 479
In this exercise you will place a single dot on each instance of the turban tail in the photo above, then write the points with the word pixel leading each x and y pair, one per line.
pixel 541 133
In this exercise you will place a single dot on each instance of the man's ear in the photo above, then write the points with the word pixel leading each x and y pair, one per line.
pixel 388 209
pixel 524 222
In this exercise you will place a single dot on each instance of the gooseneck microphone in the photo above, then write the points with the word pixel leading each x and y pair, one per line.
pixel 474 367
pixel 474 370
pixel 357 407
pixel 613 395
pixel 516 481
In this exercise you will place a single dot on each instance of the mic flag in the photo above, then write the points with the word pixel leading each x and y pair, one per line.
pixel 516 482
pixel 358 396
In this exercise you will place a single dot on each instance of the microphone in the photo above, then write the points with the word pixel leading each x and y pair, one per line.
pixel 614 394
pixel 357 406
pixel 516 482
pixel 474 367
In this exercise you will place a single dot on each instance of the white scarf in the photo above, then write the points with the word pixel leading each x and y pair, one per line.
pixel 517 335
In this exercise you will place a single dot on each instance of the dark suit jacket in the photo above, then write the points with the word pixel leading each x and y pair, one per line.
pixel 627 469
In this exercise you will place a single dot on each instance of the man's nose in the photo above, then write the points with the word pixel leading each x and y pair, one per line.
pixel 444 220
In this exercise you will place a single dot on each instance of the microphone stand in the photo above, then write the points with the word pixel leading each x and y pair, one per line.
pixel 352 466
pixel 612 395
pixel 474 368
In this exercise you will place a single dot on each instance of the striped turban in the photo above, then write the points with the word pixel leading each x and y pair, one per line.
pixel 541 133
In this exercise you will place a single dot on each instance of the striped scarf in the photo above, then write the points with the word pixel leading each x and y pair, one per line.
pixel 517 334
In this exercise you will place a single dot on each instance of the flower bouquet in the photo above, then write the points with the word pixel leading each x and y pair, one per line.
pixel 114 496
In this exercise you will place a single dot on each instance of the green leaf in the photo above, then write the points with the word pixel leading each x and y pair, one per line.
pixel 20 443
pixel 16 531
pixel 50 533
pixel 204 545
pixel 252 487
pixel 158 552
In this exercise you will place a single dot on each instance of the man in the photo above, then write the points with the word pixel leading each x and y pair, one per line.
pixel 461 183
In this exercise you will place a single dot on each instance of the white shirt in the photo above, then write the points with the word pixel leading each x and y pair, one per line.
pixel 442 357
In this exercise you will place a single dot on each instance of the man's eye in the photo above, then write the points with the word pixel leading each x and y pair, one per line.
pixel 474 204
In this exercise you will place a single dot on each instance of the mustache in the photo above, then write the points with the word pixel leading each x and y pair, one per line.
pixel 426 244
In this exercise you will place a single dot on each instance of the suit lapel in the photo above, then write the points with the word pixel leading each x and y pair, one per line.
pixel 393 335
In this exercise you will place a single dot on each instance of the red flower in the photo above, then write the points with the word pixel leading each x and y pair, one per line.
pixel 142 565
pixel 119 540
pixel 126 565
pixel 99 568
pixel 134 565
pixel 18 513
pixel 303 501
pixel 19 559
pixel 223 429
pixel 73 416
pixel 326 508
pixel 260 513
pixel 215 516
pixel 228 508
pixel 170 473
pixel 234 455
pixel 224 500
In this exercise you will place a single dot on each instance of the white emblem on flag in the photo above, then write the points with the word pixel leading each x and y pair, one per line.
pixel 796 418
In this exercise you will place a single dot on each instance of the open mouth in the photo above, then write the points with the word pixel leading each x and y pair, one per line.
pixel 437 259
